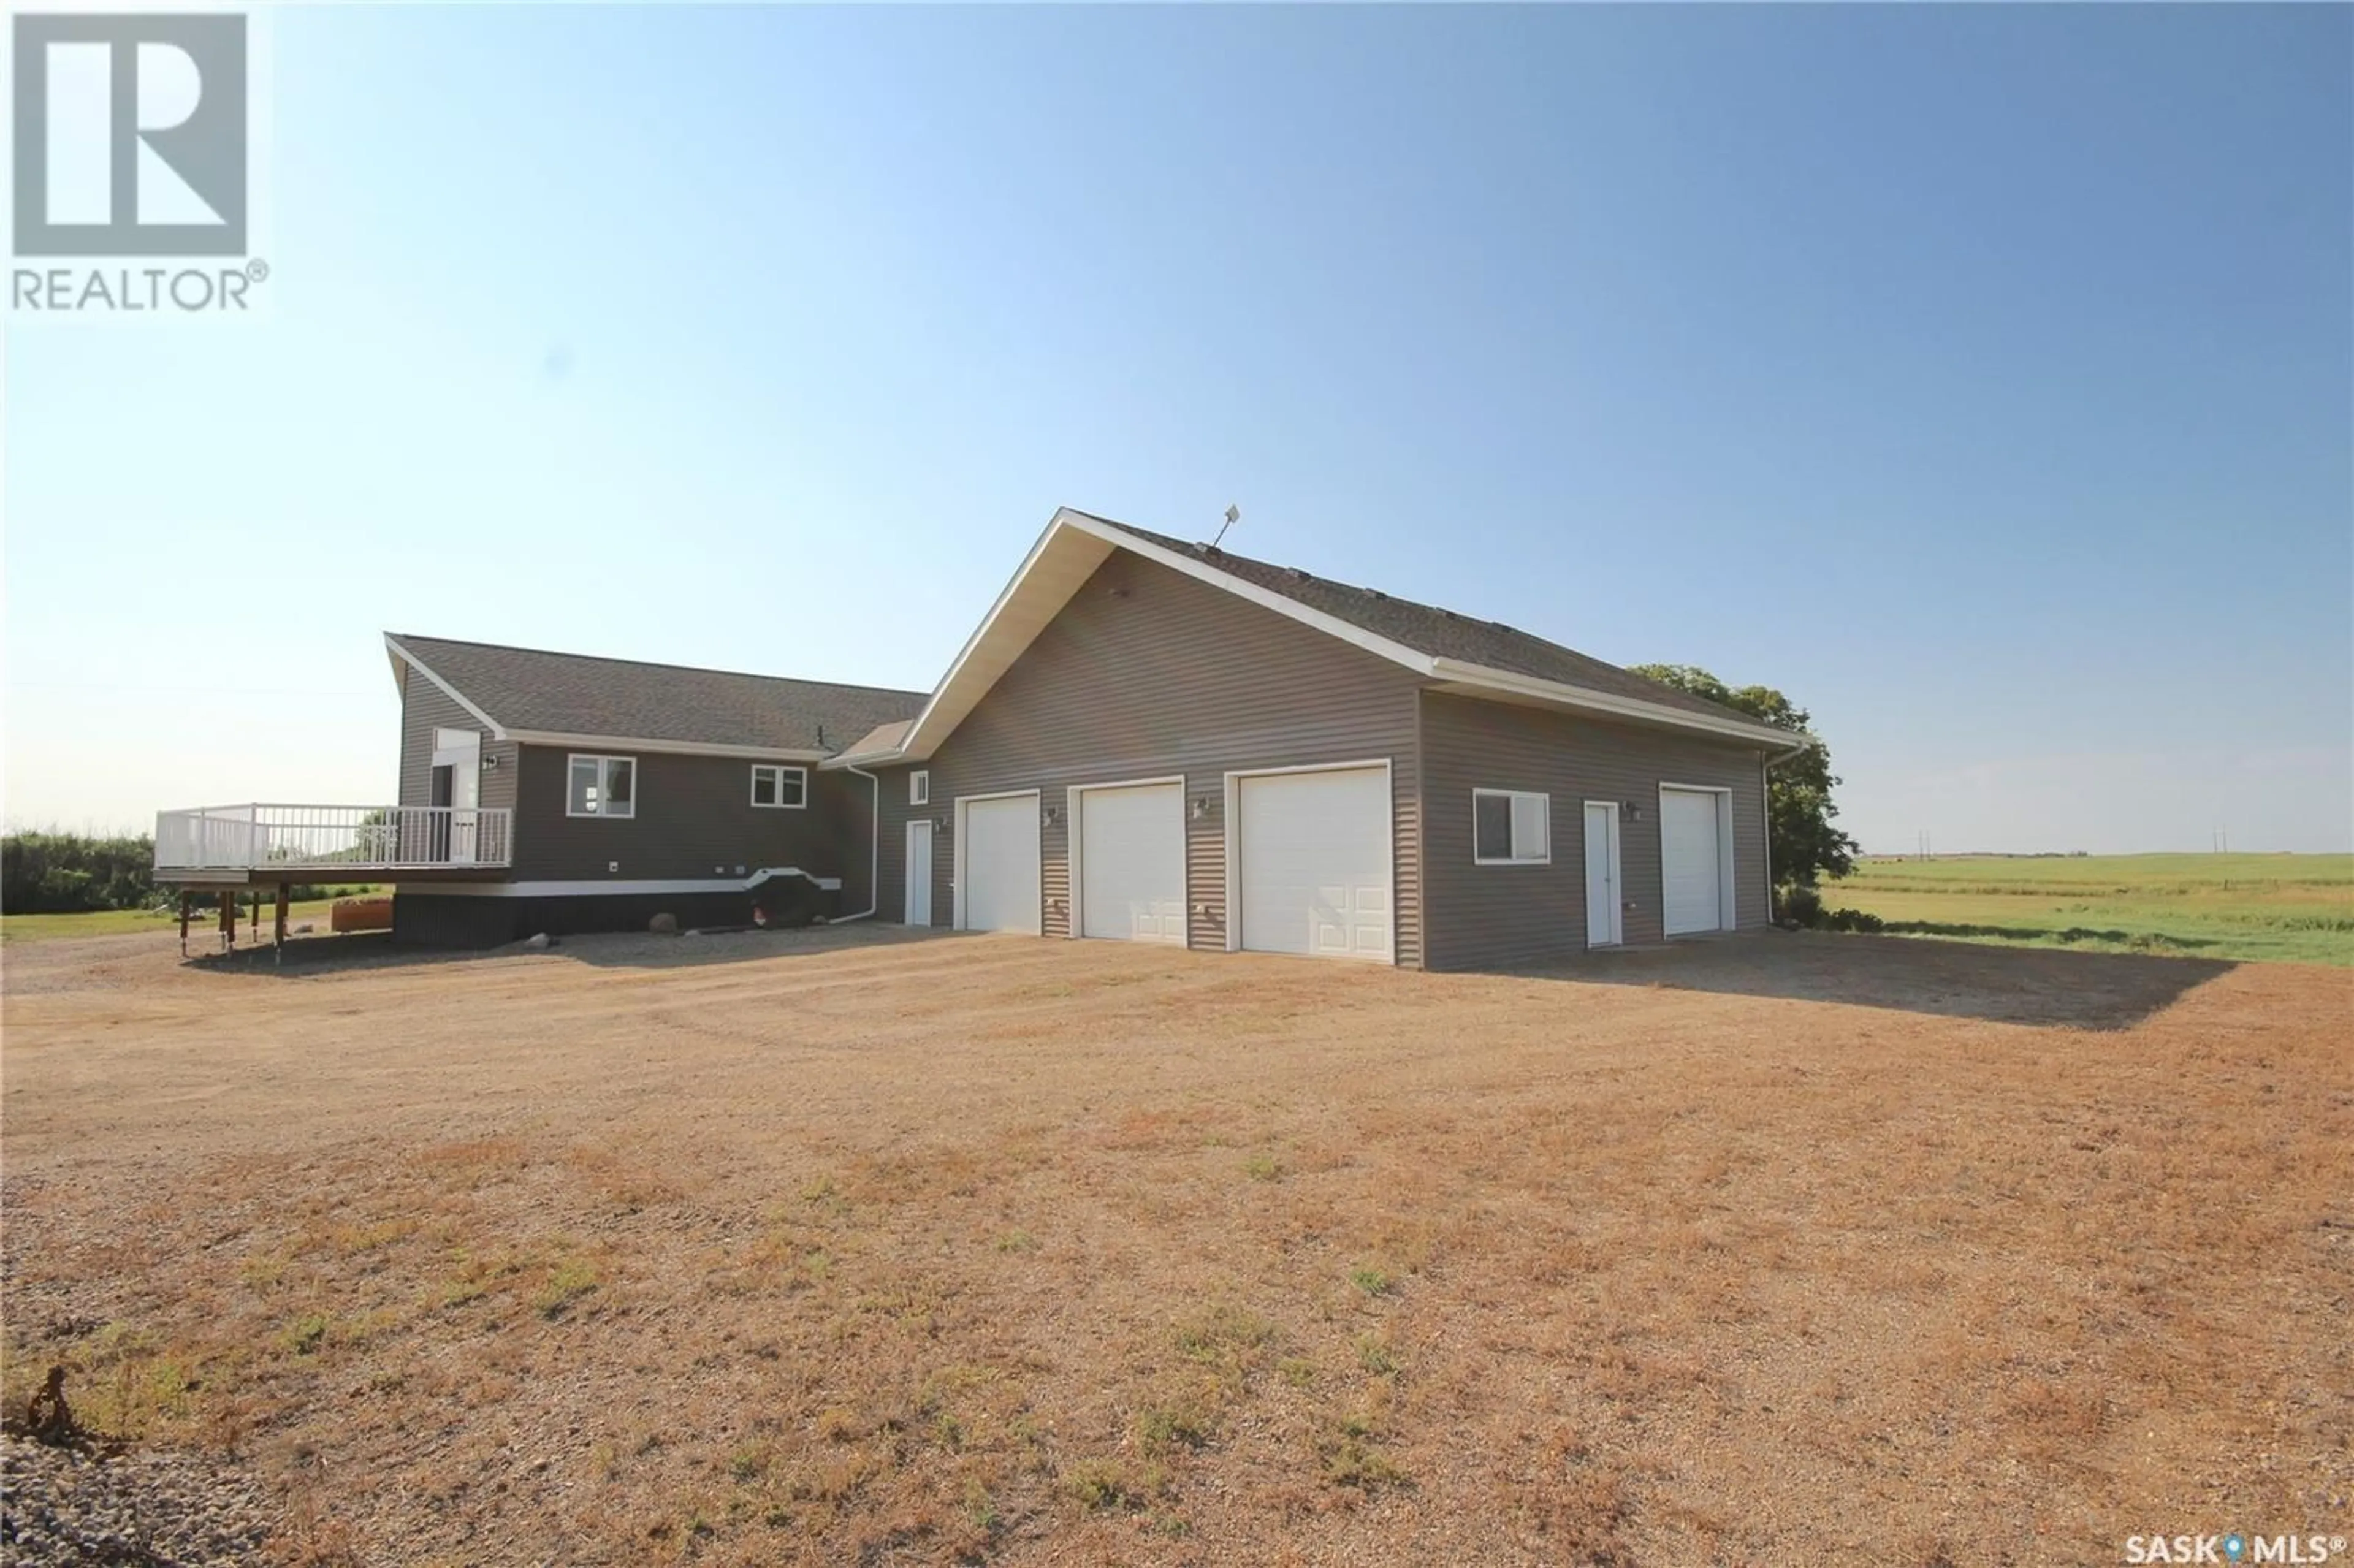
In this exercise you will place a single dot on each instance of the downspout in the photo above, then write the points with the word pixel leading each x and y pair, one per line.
pixel 874 852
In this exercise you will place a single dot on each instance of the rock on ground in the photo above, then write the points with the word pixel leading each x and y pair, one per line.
pixel 151 1507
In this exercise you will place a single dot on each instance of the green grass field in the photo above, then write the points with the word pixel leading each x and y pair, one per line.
pixel 2293 908
pixel 123 922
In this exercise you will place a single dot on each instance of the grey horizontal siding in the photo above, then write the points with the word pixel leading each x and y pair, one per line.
pixel 1485 915
pixel 1148 673
pixel 425 707
pixel 694 819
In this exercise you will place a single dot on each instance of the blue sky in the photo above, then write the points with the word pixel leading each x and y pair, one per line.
pixel 1984 377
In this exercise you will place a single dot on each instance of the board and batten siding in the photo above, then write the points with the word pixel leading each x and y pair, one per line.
pixel 695 820
pixel 1492 916
pixel 1147 673
pixel 426 707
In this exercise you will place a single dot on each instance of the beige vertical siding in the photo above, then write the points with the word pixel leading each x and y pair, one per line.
pixel 1147 673
pixel 1483 915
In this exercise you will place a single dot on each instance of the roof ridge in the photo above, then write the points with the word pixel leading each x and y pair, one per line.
pixel 651 663
pixel 1227 562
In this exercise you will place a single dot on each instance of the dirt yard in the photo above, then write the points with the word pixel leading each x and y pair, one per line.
pixel 853 1246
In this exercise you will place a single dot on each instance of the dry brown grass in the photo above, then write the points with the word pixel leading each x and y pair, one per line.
pixel 835 1248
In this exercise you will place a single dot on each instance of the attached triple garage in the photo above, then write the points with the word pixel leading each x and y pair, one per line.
pixel 1308 856
pixel 1153 742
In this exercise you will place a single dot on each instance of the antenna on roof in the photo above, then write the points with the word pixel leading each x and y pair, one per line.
pixel 1234 515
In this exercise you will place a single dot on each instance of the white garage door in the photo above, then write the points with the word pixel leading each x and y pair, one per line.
pixel 997 864
pixel 1312 853
pixel 1692 861
pixel 1132 863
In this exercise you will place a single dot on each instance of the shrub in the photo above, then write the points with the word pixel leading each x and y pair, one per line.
pixel 1852 920
pixel 1799 903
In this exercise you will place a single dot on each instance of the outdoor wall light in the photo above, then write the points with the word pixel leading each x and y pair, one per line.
pixel 1052 812
pixel 490 761
pixel 1200 807
pixel 1633 809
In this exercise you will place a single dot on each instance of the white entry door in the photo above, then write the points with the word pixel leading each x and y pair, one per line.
pixel 459 751
pixel 1604 910
pixel 997 864
pixel 1131 861
pixel 1692 847
pixel 920 872
pixel 1312 863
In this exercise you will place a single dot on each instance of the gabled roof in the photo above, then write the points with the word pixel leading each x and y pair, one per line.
pixel 537 697
pixel 1440 633
pixel 1455 652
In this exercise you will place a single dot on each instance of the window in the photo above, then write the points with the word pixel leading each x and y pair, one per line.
pixel 601 787
pixel 1511 826
pixel 919 787
pixel 775 786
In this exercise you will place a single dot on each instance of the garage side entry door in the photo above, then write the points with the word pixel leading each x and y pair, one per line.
pixel 1312 863
pixel 997 865
pixel 1691 855
pixel 1131 841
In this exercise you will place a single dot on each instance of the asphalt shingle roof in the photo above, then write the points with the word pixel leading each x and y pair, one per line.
pixel 575 693
pixel 1441 633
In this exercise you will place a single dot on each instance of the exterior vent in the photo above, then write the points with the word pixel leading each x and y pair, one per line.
pixel 1300 575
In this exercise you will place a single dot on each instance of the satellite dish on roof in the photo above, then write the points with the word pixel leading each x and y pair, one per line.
pixel 1234 515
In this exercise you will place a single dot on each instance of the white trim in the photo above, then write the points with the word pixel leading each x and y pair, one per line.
pixel 1234 837
pixel 955 848
pixel 1072 812
pixel 906 869
pixel 663 747
pixel 909 744
pixel 1515 858
pixel 572 889
pixel 452 693
pixel 604 787
pixel 1617 937
pixel 1458 670
pixel 919 787
pixel 781 803
pixel 1202 570
pixel 874 852
pixel 1727 885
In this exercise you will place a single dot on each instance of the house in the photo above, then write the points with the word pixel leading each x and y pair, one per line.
pixel 1145 740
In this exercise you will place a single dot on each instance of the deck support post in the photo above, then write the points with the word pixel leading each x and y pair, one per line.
pixel 228 921
pixel 186 899
pixel 281 923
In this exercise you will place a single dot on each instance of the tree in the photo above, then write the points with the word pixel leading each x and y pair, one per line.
pixel 1798 808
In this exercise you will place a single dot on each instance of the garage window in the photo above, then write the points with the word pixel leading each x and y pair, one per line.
pixel 919 787
pixel 1512 827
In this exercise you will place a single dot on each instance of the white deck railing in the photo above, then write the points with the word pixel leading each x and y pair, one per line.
pixel 331 838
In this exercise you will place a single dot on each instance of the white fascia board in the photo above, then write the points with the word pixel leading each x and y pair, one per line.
pixel 920 739
pixel 860 759
pixel 392 644
pixel 1265 598
pixel 614 888
pixel 1593 701
pixel 631 742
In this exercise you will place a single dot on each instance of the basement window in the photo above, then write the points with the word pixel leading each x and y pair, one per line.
pixel 773 785
pixel 919 787
pixel 600 786
pixel 1512 827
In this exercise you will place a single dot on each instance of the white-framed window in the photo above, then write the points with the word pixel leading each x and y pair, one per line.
pixel 919 787
pixel 774 784
pixel 1512 827
pixel 600 786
